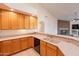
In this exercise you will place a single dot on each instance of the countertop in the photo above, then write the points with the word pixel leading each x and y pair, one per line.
pixel 70 37
pixel 68 46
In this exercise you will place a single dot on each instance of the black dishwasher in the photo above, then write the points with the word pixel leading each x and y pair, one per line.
pixel 37 45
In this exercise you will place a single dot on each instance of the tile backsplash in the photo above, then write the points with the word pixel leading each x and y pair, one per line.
pixel 4 33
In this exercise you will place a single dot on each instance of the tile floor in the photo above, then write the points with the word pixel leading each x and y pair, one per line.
pixel 28 52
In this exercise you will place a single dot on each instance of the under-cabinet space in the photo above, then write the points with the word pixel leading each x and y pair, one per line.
pixel 37 45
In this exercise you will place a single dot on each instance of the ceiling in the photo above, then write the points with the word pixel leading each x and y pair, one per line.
pixel 63 11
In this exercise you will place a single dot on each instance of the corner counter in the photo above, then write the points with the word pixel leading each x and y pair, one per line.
pixel 68 45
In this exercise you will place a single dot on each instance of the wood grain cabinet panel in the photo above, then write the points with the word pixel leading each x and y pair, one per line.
pixel 13 20
pixel 8 20
pixel 5 20
pixel 27 22
pixel 6 47
pixel 60 53
pixel 47 49
pixel 51 52
pixel 16 45
pixel 43 48
pixel 52 46
pixel 20 21
pixel 33 22
pixel 30 42
pixel 24 43
pixel 9 47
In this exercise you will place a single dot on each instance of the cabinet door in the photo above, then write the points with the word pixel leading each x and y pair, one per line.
pixel 33 22
pixel 27 22
pixel 60 53
pixel 16 45
pixel 51 50
pixel 13 20
pixel 42 48
pixel 30 42
pixel 24 43
pixel 5 20
pixel 20 21
pixel 6 47
pixel 9 20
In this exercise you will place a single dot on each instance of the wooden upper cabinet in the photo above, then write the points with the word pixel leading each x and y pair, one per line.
pixel 33 22
pixel 13 20
pixel 5 20
pixel 10 20
pixel 20 21
pixel 27 22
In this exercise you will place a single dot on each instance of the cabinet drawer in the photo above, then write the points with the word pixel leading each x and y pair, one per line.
pixel 52 46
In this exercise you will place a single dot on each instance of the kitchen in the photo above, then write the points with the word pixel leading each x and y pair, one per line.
pixel 30 30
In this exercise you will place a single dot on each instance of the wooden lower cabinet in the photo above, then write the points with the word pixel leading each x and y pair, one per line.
pixel 51 50
pixel 24 43
pixel 43 48
pixel 27 42
pixel 60 53
pixel 47 49
pixel 16 45
pixel 6 47
pixel 30 42
pixel 9 47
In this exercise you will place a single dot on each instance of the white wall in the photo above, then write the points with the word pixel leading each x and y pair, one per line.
pixel 42 14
